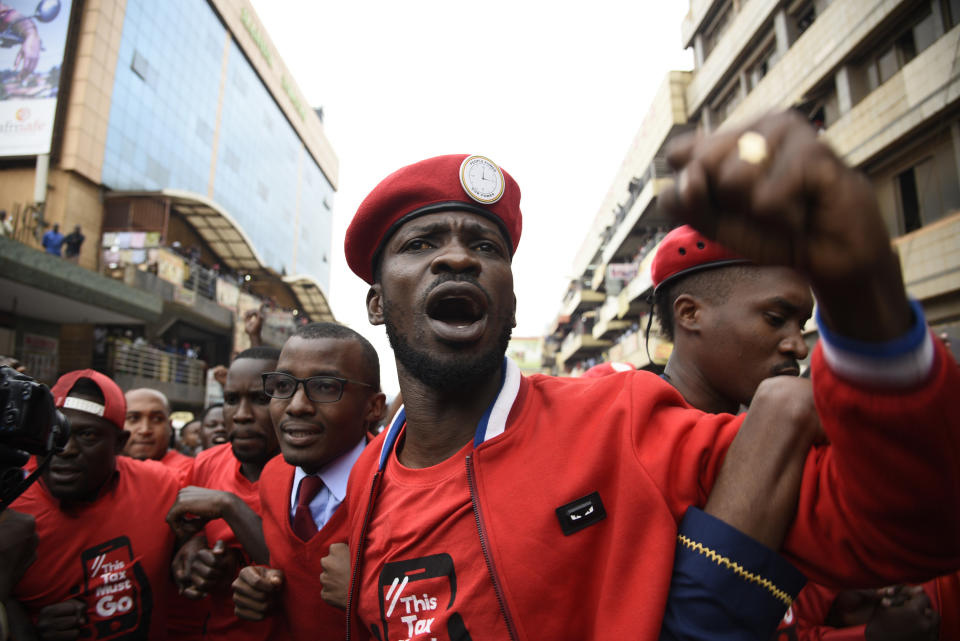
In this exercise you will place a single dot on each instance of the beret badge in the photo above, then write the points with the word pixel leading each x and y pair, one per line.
pixel 482 179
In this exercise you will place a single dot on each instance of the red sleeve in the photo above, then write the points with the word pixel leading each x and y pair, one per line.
pixel 878 506
pixel 804 621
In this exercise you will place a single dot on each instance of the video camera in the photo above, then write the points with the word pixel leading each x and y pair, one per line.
pixel 29 424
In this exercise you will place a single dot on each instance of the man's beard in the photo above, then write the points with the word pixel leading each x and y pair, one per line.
pixel 451 373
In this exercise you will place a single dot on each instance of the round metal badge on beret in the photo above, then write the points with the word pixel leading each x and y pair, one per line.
pixel 481 179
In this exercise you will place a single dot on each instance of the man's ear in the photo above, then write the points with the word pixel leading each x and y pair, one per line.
pixel 686 313
pixel 375 304
pixel 513 318
pixel 122 437
pixel 375 410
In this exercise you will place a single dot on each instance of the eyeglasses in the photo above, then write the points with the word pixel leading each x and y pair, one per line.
pixel 319 389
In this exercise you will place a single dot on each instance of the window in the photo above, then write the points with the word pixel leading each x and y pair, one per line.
pixel 712 34
pixel 760 68
pixel 901 49
pixel 951 12
pixel 803 14
pixel 928 190
pixel 726 104
pixel 140 66
pixel 909 201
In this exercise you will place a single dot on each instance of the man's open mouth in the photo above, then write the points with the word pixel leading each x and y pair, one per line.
pixel 457 311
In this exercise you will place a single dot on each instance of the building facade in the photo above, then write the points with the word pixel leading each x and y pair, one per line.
pixel 201 180
pixel 879 80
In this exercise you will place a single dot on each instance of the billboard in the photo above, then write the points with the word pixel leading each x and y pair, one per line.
pixel 33 36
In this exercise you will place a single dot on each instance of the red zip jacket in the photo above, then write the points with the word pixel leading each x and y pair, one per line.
pixel 865 515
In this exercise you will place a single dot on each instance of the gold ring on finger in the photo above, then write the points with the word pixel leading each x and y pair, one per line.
pixel 752 148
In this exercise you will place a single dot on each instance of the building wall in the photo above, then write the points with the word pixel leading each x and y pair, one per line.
pixel 255 42
pixel 71 200
pixel 197 117
pixel 16 187
pixel 878 77
pixel 85 128
pixel 667 110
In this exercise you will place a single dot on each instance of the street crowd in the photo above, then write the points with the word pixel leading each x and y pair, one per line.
pixel 727 497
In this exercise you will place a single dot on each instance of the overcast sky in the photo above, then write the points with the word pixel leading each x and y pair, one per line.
pixel 553 92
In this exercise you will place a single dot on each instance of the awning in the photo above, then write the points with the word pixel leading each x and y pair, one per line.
pixel 233 247
pixel 311 298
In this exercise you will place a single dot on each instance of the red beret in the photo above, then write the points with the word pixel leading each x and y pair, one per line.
pixel 684 251
pixel 471 183
pixel 114 408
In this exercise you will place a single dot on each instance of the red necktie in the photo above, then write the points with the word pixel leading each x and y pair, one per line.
pixel 303 524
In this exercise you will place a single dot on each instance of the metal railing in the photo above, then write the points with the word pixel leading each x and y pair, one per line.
pixel 143 361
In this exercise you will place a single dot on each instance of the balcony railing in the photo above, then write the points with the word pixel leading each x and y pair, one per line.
pixel 150 363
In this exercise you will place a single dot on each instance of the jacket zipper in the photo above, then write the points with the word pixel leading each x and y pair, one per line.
pixel 356 559
pixel 475 501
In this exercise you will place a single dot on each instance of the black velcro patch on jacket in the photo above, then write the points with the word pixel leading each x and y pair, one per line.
pixel 585 511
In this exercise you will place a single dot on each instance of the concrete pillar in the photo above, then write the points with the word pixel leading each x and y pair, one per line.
pixel 783 31
pixel 707 119
pixel 844 91
pixel 698 51
pixel 939 27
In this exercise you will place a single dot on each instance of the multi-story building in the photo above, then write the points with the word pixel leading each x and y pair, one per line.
pixel 881 82
pixel 202 182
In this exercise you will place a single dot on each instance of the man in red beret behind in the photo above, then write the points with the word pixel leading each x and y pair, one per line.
pixel 103 560
pixel 733 323
pixel 510 507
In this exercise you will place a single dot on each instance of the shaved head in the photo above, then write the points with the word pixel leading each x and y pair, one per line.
pixel 148 421
pixel 141 392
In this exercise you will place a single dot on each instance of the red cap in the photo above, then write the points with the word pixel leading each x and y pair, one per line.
pixel 471 183
pixel 114 408
pixel 606 369
pixel 684 251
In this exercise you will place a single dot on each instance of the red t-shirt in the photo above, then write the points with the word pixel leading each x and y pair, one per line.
pixel 113 553
pixel 308 616
pixel 187 616
pixel 182 463
pixel 426 587
pixel 218 469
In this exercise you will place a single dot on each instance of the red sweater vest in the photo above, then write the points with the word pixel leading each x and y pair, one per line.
pixel 309 617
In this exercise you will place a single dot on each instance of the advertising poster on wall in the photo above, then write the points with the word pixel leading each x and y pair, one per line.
pixel 40 355
pixel 33 37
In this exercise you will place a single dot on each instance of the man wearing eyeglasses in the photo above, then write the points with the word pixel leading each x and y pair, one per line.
pixel 324 394
pixel 222 505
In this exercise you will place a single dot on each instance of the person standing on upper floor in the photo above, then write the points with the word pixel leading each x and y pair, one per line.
pixel 53 240
pixel 72 243
pixel 6 227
